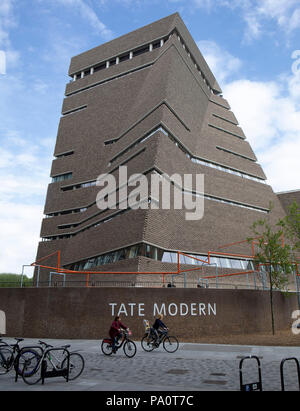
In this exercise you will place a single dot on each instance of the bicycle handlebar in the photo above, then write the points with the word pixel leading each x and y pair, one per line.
pixel 45 344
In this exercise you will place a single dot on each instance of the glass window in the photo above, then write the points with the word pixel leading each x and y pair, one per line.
pixel 225 263
pixel 133 252
pixel 141 51
pixel 166 258
pixel 215 260
pixel 190 260
pixel 244 264
pixel 89 263
pixel 181 259
pixel 154 253
pixel 148 251
pixel 174 258
pixel 101 67
pixel 122 254
pixel 61 177
pixel 124 58
pixel 236 264
pixel 250 265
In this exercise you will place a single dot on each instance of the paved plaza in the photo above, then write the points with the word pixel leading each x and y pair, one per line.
pixel 193 367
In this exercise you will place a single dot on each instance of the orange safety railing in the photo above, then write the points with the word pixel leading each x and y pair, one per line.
pixel 206 261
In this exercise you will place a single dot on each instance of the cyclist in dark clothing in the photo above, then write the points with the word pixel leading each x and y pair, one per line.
pixel 159 328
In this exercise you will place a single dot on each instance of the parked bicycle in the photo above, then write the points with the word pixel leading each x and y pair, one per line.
pixel 55 363
pixel 128 345
pixel 12 355
pixel 149 341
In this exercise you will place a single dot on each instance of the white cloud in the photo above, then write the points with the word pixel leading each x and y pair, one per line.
pixel 90 15
pixel 256 13
pixel 7 23
pixel 221 63
pixel 20 226
pixel 270 117
pixel 268 112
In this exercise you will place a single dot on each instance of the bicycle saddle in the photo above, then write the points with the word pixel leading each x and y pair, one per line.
pixel 19 339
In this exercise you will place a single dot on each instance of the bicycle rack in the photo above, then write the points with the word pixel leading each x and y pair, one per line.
pixel 55 373
pixel 281 371
pixel 253 386
pixel 32 347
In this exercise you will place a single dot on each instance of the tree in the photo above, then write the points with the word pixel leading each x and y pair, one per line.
pixel 275 256
pixel 291 225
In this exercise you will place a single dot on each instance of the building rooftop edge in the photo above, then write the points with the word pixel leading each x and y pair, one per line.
pixel 287 192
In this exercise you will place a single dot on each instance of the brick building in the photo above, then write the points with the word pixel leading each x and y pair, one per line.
pixel 148 100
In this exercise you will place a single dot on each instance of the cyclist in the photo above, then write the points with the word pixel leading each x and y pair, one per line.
pixel 159 328
pixel 115 332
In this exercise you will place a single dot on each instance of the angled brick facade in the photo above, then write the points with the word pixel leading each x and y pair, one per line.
pixel 148 100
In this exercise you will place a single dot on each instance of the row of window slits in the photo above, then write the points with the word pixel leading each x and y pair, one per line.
pixel 196 65
pixel 192 158
pixel 141 50
pixel 120 59
pixel 105 220
pixel 155 253
pixel 207 197
pixel 67 176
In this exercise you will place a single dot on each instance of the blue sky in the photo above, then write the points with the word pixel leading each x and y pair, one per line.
pixel 252 47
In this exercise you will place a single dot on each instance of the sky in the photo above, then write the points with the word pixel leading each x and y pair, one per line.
pixel 251 46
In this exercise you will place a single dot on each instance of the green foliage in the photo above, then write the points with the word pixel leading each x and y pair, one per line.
pixel 291 225
pixel 14 280
pixel 275 256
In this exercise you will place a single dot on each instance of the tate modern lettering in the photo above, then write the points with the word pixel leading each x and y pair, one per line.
pixel 167 309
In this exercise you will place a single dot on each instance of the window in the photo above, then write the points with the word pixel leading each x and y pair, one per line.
pixel 68 153
pixel 61 177
pixel 236 264
pixel 166 258
pixel 124 58
pixel 140 51
pixel 100 67
pixel 156 45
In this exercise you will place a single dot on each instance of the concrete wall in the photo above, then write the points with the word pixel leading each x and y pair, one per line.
pixel 86 313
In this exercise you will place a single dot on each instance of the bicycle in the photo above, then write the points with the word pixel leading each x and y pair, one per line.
pixel 12 355
pixel 149 341
pixel 47 360
pixel 129 346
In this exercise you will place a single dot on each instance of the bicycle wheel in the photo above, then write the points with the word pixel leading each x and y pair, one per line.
pixel 147 343
pixel 76 365
pixel 129 348
pixel 106 347
pixel 29 359
pixel 32 371
pixel 170 344
pixel 6 360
